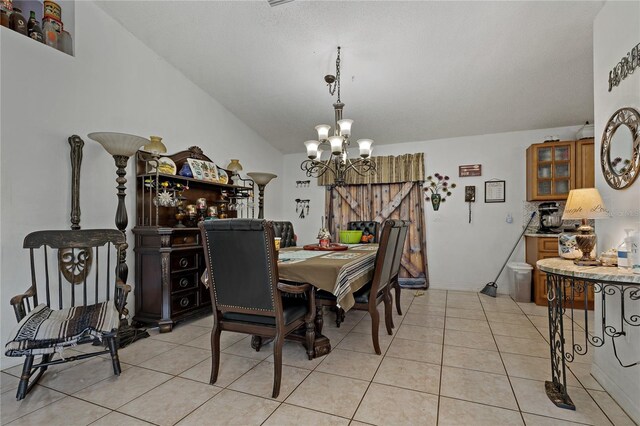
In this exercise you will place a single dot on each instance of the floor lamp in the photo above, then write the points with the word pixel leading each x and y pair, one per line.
pixel 121 146
pixel 261 179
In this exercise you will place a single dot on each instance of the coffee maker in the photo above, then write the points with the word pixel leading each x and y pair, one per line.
pixel 548 218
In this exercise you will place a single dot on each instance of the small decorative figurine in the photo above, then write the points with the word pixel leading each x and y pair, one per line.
pixel 324 236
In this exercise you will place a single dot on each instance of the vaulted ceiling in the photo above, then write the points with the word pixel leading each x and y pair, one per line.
pixel 411 71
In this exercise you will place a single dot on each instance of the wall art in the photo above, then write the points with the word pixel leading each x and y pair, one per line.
pixel 625 67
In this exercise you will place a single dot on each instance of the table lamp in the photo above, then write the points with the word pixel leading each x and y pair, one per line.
pixel 234 167
pixel 585 204
pixel 121 146
pixel 261 179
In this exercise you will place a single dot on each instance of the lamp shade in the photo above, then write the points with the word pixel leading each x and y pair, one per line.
pixel 585 203
pixel 365 147
pixel 156 146
pixel 323 131
pixel 312 148
pixel 319 155
pixel 119 143
pixel 336 144
pixel 261 178
pixel 345 126
pixel 234 166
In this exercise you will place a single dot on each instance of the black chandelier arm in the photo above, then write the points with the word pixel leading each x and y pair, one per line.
pixel 314 168
pixel 361 166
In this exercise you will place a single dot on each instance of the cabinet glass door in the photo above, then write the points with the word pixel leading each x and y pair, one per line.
pixel 561 170
pixel 544 187
pixel 562 186
pixel 544 154
pixel 544 171
pixel 561 153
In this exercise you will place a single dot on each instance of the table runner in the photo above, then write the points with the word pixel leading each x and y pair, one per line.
pixel 340 273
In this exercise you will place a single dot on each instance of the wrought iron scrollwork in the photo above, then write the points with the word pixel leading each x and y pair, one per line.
pixel 562 292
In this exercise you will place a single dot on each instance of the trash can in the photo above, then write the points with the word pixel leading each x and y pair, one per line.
pixel 520 281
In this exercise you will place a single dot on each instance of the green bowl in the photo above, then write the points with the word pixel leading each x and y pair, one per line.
pixel 350 237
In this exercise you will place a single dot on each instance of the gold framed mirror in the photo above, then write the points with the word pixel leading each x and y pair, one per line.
pixel 620 150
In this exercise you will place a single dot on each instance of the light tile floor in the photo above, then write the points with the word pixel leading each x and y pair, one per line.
pixel 455 358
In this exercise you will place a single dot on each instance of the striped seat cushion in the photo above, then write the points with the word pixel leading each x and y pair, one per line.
pixel 45 331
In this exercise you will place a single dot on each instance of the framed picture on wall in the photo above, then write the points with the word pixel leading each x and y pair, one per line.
pixel 494 191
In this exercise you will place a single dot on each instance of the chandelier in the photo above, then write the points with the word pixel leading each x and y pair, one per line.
pixel 338 162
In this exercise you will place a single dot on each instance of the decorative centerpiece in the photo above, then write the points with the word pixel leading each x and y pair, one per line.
pixel 435 184
pixel 324 236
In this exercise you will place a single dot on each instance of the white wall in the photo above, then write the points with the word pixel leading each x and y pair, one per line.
pixel 616 31
pixel 114 83
pixel 461 255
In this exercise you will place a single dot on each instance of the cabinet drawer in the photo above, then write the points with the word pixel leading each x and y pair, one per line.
pixel 184 301
pixel 184 281
pixel 184 260
pixel 548 244
pixel 185 239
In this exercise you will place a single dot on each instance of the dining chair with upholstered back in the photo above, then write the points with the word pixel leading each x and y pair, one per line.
pixel 378 289
pixel 366 226
pixel 397 261
pixel 284 230
pixel 75 297
pixel 245 291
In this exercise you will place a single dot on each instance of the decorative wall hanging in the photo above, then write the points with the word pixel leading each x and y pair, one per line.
pixel 470 170
pixel 303 183
pixel 620 149
pixel 302 208
pixel 470 197
pixel 494 191
pixel 435 184
pixel 625 67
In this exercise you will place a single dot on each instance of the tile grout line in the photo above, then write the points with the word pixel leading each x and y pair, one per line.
pixel 444 333
pixel 502 359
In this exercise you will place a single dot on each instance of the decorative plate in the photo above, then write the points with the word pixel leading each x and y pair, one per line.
pixel 223 177
pixel 167 166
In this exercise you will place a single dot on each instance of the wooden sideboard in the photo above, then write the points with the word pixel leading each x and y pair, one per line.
pixel 169 254
pixel 545 247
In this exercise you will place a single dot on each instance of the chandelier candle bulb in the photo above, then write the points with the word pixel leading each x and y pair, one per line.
pixel 323 131
pixel 365 147
pixel 345 127
pixel 336 144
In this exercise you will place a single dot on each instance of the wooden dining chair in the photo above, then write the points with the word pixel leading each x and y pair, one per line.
pixel 369 227
pixel 245 292
pixel 75 297
pixel 397 261
pixel 378 289
pixel 284 230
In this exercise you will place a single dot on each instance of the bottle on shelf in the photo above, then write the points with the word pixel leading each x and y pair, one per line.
pixel 50 34
pixel 33 28
pixel 4 18
pixel 17 22
pixel 64 42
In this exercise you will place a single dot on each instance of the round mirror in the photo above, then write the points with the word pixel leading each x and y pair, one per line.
pixel 620 152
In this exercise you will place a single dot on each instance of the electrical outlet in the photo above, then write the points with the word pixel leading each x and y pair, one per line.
pixel 509 218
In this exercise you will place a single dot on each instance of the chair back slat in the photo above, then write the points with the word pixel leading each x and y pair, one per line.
pixel 78 263
pixel 242 265
pixel 97 282
pixel 33 274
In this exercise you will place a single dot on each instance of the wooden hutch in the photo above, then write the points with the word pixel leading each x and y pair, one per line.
pixel 169 254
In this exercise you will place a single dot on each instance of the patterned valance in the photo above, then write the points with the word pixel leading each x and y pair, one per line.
pixel 391 169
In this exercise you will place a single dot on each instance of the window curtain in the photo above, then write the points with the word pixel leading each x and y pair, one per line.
pixel 394 193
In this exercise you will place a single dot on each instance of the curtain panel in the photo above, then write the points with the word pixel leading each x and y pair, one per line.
pixel 390 169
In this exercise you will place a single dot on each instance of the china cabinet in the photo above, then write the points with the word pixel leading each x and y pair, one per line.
pixel 555 168
pixel 168 246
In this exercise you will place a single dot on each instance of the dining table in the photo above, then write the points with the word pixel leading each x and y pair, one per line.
pixel 340 272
